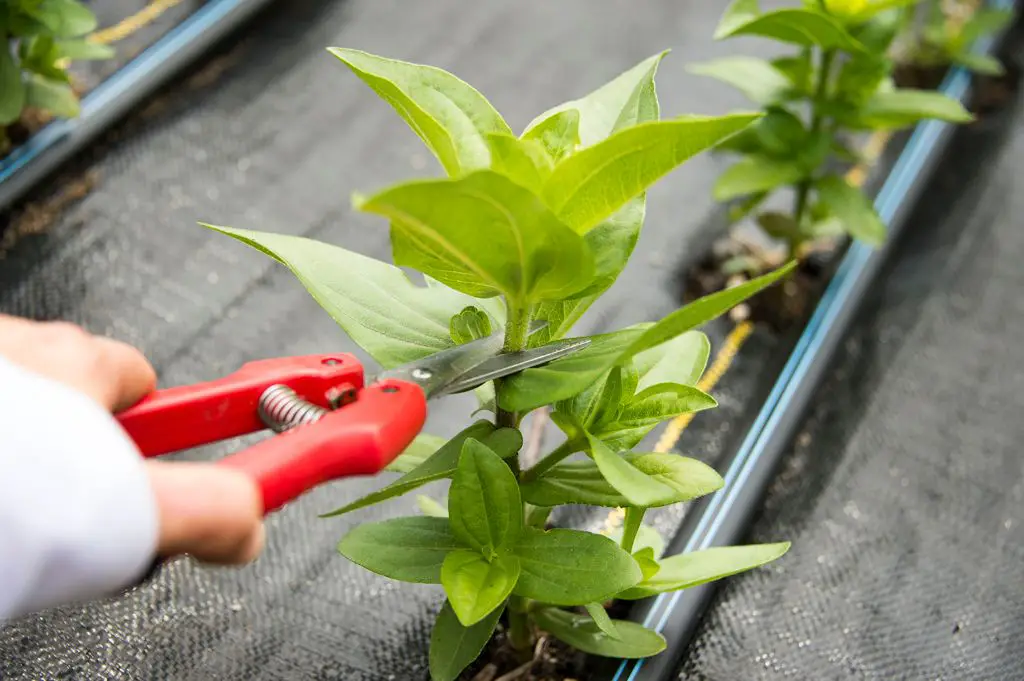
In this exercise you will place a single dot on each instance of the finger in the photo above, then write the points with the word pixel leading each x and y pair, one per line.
pixel 211 513
pixel 131 375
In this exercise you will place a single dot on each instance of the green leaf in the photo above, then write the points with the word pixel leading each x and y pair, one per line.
pixel 483 503
pixel 611 242
pixel 563 378
pixel 375 303
pixel 983 64
pixel 582 482
pixel 582 633
pixel 592 184
pixel 407 549
pixel 858 11
pixel 430 507
pixel 570 567
pixel 754 175
pixel 12 91
pixel 470 324
pixel 681 360
pixel 559 133
pixel 647 559
pixel 899 108
pixel 758 79
pixel 441 464
pixel 798 69
pixel 476 586
pixel 454 647
pixel 985 21
pixel 601 399
pixel 853 208
pixel 704 310
pixel 779 225
pixel 525 162
pixel 602 620
pixel 640 414
pixel 626 100
pixel 450 116
pixel 484 235
pixel 49 95
pixel 781 134
pixel 416 453
pixel 860 77
pixel 699 567
pixel 84 50
pixel 66 18
pixel 798 26
pixel 638 488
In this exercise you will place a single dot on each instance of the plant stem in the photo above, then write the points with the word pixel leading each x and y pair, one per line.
pixel 520 634
pixel 564 450
pixel 517 328
pixel 817 119
pixel 631 526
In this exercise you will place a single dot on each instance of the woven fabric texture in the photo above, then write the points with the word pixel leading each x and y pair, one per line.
pixel 903 494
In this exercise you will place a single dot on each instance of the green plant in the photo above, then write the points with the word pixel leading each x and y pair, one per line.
pixel 942 32
pixel 528 227
pixel 837 84
pixel 38 38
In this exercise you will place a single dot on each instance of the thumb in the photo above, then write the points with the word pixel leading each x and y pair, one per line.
pixel 212 513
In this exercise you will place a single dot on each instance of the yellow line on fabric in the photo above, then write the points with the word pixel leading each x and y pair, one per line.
pixel 130 25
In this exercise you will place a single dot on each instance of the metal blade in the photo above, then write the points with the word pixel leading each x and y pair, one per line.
pixel 470 365
pixel 514 362
pixel 436 373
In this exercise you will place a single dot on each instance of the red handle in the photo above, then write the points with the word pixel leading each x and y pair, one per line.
pixel 189 416
pixel 358 439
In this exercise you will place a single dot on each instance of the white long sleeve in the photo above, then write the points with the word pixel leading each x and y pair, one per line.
pixel 78 519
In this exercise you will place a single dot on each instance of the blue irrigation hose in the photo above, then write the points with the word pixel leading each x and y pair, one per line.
pixel 724 510
pixel 115 96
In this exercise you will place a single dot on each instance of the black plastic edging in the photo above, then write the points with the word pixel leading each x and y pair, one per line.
pixel 118 94
pixel 723 519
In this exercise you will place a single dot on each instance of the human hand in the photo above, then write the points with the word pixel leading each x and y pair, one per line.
pixel 210 512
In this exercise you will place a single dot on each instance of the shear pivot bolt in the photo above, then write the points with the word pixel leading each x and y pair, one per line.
pixel 421 374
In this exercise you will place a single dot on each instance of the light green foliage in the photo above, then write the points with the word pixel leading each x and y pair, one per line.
pixel 940 38
pixel 839 81
pixel 38 39
pixel 469 325
pixel 523 228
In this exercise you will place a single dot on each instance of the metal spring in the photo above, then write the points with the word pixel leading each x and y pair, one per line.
pixel 281 409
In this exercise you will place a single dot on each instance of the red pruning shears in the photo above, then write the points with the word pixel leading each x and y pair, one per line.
pixel 332 423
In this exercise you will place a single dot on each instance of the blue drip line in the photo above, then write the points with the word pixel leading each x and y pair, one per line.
pixel 902 177
pixel 123 80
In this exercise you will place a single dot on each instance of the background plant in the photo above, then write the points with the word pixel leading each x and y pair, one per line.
pixel 939 33
pixel 38 39
pixel 527 227
pixel 835 85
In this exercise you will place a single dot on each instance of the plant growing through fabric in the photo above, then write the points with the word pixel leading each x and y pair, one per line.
pixel 835 85
pixel 528 227
pixel 940 33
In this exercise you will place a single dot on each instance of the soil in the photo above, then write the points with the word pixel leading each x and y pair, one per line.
pixel 36 218
pixel 552 661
